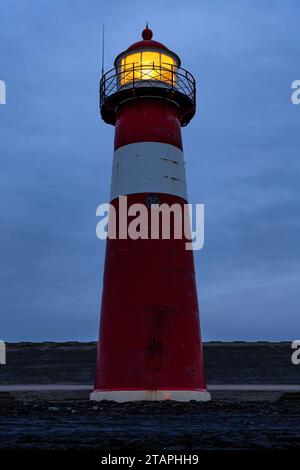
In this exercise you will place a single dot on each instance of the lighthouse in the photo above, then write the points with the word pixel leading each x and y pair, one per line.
pixel 149 342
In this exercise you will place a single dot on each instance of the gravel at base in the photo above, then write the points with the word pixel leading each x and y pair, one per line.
pixel 149 426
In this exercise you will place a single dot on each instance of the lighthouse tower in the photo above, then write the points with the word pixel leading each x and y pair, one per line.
pixel 149 344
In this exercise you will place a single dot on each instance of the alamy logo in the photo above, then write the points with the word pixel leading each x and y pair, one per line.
pixel 295 97
pixel 152 220
pixel 2 353
pixel 296 353
pixel 2 92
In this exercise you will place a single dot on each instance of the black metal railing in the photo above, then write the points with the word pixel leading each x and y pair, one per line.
pixel 133 76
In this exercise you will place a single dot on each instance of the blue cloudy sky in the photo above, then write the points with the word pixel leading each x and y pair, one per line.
pixel 242 153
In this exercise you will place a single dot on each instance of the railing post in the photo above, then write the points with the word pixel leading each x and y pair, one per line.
pixel 118 77
pixel 172 75
pixel 133 74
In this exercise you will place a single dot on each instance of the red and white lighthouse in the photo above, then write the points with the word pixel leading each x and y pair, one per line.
pixel 149 344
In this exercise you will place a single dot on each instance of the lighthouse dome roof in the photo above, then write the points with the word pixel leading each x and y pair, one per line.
pixel 148 43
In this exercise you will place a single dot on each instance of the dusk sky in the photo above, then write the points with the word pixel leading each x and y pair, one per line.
pixel 241 151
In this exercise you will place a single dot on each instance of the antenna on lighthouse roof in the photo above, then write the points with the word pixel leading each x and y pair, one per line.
pixel 102 48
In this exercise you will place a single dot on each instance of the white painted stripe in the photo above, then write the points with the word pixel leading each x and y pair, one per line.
pixel 150 395
pixel 148 167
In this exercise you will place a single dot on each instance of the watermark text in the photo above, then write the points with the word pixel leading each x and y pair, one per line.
pixel 296 353
pixel 295 97
pixel 2 353
pixel 153 221
pixel 2 92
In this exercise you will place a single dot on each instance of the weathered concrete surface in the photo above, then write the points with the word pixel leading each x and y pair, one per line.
pixel 74 363
pixel 149 426
pixel 49 363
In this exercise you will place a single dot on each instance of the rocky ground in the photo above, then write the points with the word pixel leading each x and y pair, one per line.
pixel 145 426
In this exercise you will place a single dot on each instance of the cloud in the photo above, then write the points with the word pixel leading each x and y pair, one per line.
pixel 242 153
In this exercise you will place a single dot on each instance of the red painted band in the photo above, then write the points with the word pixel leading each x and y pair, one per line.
pixel 149 331
pixel 148 120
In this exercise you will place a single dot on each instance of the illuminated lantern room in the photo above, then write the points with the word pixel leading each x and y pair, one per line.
pixel 147 68
pixel 147 60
